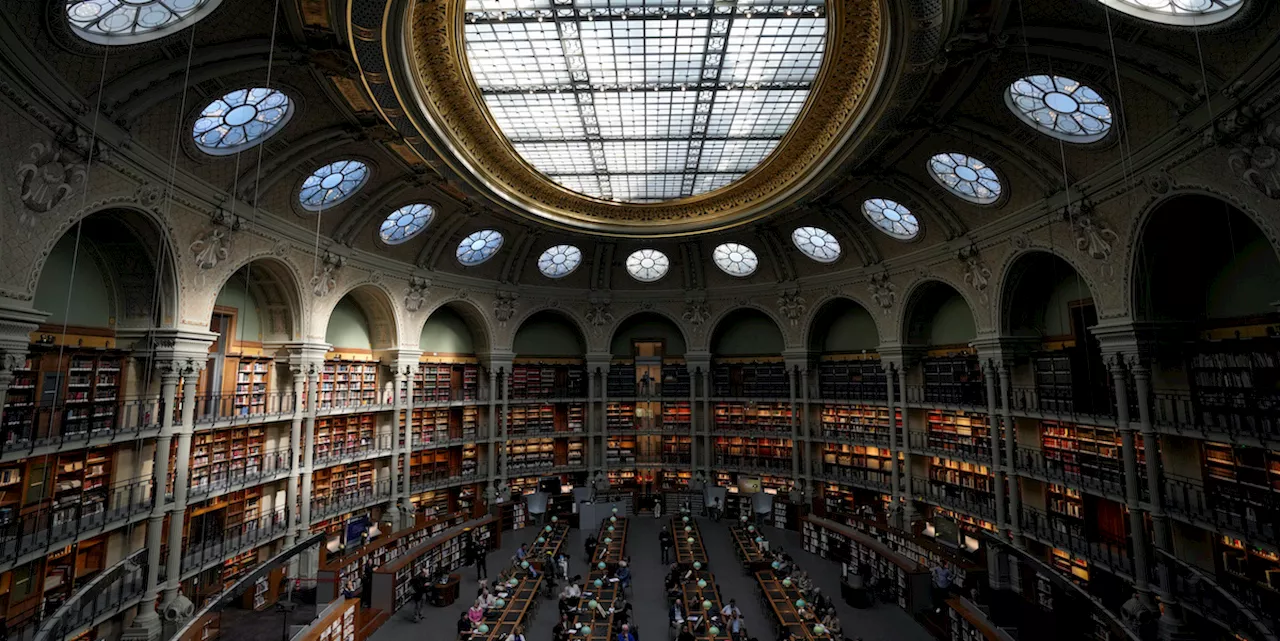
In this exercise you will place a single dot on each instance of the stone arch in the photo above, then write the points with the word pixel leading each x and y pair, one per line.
pixel 277 285
pixel 1024 267
pixel 661 314
pixel 1009 278
pixel 377 304
pixel 718 323
pixel 135 248
pixel 826 307
pixel 568 317
pixel 1167 205
pixel 482 331
pixel 819 305
pixel 923 295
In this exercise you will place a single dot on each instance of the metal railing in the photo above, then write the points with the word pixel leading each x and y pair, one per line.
pixel 923 442
pixel 425 482
pixel 1056 531
pixel 1032 461
pixel 1257 519
pixel 271 464
pixel 971 395
pixel 338 502
pixel 243 408
pixel 879 438
pixel 1198 591
pixel 232 541
pixel 863 478
pixel 754 463
pixel 1244 413
pixel 950 497
pixel 49 429
pixel 654 390
pixel 108 593
pixel 378 445
pixel 49 528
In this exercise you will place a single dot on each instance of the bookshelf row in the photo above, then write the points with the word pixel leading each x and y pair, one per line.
pixel 541 380
pixel 348 383
pixel 852 379
pixel 753 417
pixel 544 454
pixel 750 380
pixel 434 426
pixel 435 382
pixel 75 392
pixel 856 422
pixel 221 456
pixel 545 418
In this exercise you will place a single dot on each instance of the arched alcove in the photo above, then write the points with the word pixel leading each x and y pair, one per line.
pixel 447 333
pixel 647 327
pixel 549 334
pixel 1200 259
pixel 1044 296
pixel 364 319
pixel 842 326
pixel 746 332
pixel 263 297
pixel 938 315
pixel 114 270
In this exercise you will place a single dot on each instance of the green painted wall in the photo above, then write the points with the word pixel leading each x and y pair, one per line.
pixel 446 333
pixel 747 333
pixel 548 335
pixel 248 315
pixel 851 329
pixel 348 326
pixel 953 323
pixel 648 328
pixel 90 306
pixel 1247 285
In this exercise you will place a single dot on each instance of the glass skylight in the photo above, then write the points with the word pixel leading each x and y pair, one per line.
pixel 966 177
pixel 892 218
pixel 1060 107
pixel 132 21
pixel 332 184
pixel 644 100
pixel 1178 12
pixel 241 119
pixel 479 247
pixel 559 261
pixel 816 243
pixel 736 259
pixel 647 265
pixel 405 223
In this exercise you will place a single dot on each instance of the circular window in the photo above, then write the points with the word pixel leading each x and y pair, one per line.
pixel 647 265
pixel 1060 107
pixel 966 177
pixel 892 218
pixel 736 259
pixel 816 243
pixel 405 223
pixel 559 261
pixel 241 119
pixel 479 247
pixel 1178 12
pixel 332 184
pixel 118 22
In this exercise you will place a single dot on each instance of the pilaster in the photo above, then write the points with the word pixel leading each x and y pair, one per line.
pixel 997 356
pixel 897 360
pixel 403 364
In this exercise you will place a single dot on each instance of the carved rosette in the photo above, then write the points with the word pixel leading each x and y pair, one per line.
pixel 48 175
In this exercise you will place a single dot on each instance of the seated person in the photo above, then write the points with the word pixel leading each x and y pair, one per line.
pixel 677 612
pixel 624 574
pixel 475 613
pixel 563 629
pixel 832 623
pixel 464 626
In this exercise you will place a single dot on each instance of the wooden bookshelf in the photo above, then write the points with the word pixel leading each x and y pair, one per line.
pixel 1242 482
pixel 856 422
pixel 439 382
pixel 547 380
pixel 441 425
pixel 851 379
pixel 1090 453
pixel 865 464
pixel 676 382
pixel 344 435
pixel 620 450
pixel 620 416
pixel 343 480
pixel 219 457
pixel 677 416
pixel 1235 384
pixel 78 486
pixel 251 385
pixel 264 592
pixel 348 566
pixel 20 403
pixel 840 501
pixel 954 380
pixel 754 453
pixel 961 484
pixel 959 432
pixel 908 580
pixel 621 381
pixel 750 380
pixel 349 383
pixel 752 417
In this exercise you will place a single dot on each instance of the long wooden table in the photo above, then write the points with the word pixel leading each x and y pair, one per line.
pixel 521 604
pixel 693 598
pixel 608 592
pixel 539 553
pixel 687 553
pixel 782 601
pixel 752 557
pixel 616 550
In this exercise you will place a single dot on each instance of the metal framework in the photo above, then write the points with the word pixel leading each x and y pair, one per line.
pixel 644 100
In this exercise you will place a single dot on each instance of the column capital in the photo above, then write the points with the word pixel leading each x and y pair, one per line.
pixel 1003 350
pixel 1127 341
pixel 798 358
pixel 173 351
pixel 698 360
pixel 899 355
pixel 301 356
pixel 497 359
pixel 16 326
pixel 400 360
pixel 599 360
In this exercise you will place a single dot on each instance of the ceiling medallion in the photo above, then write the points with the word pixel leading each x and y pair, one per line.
pixel 449 108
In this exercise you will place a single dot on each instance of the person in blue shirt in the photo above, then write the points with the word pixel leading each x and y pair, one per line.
pixel 521 553
pixel 623 574
pixel 625 634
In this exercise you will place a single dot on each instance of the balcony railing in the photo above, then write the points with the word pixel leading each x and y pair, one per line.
pixel 971 395
pixel 108 593
pixel 378 445
pixel 1047 528
pixel 652 390
pixel 880 438
pixel 425 482
pixel 923 442
pixel 49 529
pixel 342 501
pixel 1257 520
pixel 950 496
pixel 48 429
pixel 857 476
pixel 242 408
pixel 232 541
pixel 274 463
pixel 1245 414
pixel 1197 590
pixel 1032 461
pixel 754 463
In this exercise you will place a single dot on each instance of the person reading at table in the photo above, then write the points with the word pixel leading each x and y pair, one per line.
pixel 464 626
pixel 517 635
pixel 832 623
pixel 625 634
pixel 677 612
pixel 563 629
pixel 623 573
pixel 475 613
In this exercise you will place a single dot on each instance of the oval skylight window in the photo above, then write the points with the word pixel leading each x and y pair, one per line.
pixel 736 259
pixel 649 101
pixel 966 177
pixel 112 22
pixel 405 223
pixel 816 243
pixel 1178 12
pixel 332 184
pixel 479 247
pixel 559 261
pixel 892 218
pixel 647 265
pixel 241 119
pixel 1060 107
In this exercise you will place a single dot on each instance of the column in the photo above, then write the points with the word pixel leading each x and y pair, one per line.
pixel 504 415
pixel 694 413
pixel 592 421
pixel 909 504
pixel 793 383
pixel 399 494
pixel 1132 496
pixel 181 481
pixel 147 622
pixel 295 448
pixel 406 484
pixel 807 427
pixel 890 373
pixel 309 443
pixel 993 425
pixel 491 454
pixel 1010 444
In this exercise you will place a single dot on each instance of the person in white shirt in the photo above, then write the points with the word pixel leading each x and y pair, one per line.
pixel 730 609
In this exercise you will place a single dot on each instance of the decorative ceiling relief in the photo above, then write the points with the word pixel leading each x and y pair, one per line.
pixel 883 291
pixel 504 306
pixel 976 272
pixel 696 311
pixel 48 175
pixel 416 295
pixel 792 305
pixel 1256 159
pixel 326 277
pixel 1093 238
pixel 599 314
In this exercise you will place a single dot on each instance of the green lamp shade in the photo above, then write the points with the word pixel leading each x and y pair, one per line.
pixel 592 604
pixel 607 540
pixel 542 539
pixel 702 583
pixel 706 605
pixel 585 630
pixel 513 582
pixel 554 519
pixel 819 629
pixel 500 603
pixel 776 565
pixel 548 528
pixel 615 510
pixel 697 565
pixel 690 540
pixel 524 564
pixel 599 583
pixel 799 603
pixel 610 528
pixel 743 518
pixel 483 629
pixel 786 583
pixel 600 565
pixel 714 630
pixel 688 528
pixel 686 519
pixel 751 528
pixel 613 519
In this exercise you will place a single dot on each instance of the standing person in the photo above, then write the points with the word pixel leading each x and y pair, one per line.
pixel 476 556
pixel 591 547
pixel 941 585
pixel 735 627
pixel 562 565
pixel 715 510
pixel 419 583
pixel 664 540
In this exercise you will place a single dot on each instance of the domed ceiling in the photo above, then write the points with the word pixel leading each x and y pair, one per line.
pixel 643 117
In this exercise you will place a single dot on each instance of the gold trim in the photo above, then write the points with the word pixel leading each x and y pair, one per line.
pixel 451 101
